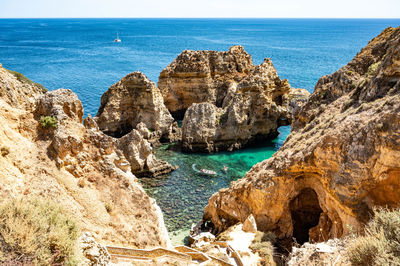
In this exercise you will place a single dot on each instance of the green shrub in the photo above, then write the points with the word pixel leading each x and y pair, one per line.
pixel 24 79
pixel 372 68
pixel 48 121
pixel 36 231
pixel 109 207
pixel 380 244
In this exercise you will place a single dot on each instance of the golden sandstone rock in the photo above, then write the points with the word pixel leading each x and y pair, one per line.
pixel 131 101
pixel 341 159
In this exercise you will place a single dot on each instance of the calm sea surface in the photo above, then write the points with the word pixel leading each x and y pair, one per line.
pixel 80 54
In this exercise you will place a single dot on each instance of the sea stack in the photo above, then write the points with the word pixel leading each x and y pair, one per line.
pixel 135 102
pixel 227 101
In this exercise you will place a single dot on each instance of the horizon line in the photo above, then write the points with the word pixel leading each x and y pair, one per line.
pixel 198 18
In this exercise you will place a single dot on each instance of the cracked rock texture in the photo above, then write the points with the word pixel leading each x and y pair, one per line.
pixel 132 101
pixel 89 173
pixel 341 159
pixel 227 101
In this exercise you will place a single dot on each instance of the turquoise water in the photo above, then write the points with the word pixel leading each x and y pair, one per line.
pixel 183 194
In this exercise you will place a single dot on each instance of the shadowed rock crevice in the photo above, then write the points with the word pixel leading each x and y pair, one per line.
pixel 305 212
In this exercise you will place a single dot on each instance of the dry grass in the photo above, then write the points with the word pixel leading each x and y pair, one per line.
pixel 262 244
pixel 36 231
pixel 380 245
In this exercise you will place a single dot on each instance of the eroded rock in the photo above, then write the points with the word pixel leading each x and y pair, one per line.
pixel 131 101
pixel 341 159
pixel 95 253
pixel 202 76
pixel 77 165
pixel 253 106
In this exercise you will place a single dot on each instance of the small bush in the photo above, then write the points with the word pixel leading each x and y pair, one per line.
pixel 264 237
pixel 4 151
pixel 48 121
pixel 380 245
pixel 37 231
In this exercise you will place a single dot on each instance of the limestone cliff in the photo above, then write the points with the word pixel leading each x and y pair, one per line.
pixel 253 108
pixel 133 100
pixel 202 76
pixel 341 159
pixel 77 165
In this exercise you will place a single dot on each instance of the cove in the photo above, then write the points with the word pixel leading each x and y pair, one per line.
pixel 183 194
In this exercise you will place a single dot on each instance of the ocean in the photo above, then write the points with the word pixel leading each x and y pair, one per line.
pixel 79 54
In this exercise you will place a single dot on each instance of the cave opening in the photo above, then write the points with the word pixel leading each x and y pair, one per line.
pixel 305 212
pixel 178 115
pixel 121 131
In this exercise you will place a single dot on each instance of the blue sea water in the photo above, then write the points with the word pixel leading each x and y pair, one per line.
pixel 80 54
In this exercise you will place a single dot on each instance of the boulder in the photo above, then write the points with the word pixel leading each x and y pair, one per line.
pixel 250 225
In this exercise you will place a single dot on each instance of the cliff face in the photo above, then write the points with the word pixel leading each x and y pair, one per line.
pixel 252 110
pixel 228 102
pixel 131 101
pixel 341 159
pixel 77 165
pixel 202 76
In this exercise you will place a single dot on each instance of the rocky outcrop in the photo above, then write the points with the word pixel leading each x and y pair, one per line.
pixel 95 254
pixel 88 172
pixel 252 110
pixel 202 76
pixel 17 90
pixel 341 159
pixel 133 100
pixel 136 153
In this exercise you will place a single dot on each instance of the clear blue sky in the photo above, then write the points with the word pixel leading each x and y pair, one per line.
pixel 201 8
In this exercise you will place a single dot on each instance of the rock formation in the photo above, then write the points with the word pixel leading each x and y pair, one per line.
pixel 77 165
pixel 247 107
pixel 202 76
pixel 341 159
pixel 131 101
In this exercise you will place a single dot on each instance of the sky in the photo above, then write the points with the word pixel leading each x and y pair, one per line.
pixel 200 8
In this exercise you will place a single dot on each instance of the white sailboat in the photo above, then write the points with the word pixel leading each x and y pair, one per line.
pixel 117 39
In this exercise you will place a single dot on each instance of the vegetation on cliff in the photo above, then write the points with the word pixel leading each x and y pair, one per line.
pixel 380 243
pixel 36 230
pixel 48 121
